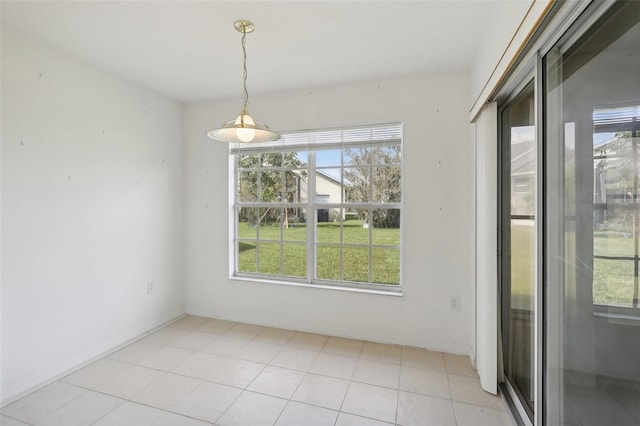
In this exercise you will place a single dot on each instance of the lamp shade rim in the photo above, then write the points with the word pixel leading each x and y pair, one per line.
pixel 228 132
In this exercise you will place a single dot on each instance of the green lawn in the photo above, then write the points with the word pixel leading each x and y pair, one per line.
pixel 613 280
pixel 256 251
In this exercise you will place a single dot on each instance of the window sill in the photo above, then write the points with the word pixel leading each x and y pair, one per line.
pixel 619 318
pixel 383 292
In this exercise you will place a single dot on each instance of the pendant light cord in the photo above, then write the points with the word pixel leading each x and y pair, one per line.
pixel 244 77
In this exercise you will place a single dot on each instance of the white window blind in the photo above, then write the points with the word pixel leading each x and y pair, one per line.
pixel 312 140
pixel 616 119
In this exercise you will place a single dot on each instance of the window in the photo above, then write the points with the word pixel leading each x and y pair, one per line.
pixel 320 207
pixel 616 224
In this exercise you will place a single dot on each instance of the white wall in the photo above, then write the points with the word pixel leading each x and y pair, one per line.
pixel 92 211
pixel 437 233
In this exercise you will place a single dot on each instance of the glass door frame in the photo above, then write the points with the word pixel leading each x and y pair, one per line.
pixel 504 221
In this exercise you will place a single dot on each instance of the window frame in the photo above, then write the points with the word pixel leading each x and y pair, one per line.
pixel 311 142
pixel 623 117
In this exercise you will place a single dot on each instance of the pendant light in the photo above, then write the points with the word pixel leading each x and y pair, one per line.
pixel 244 128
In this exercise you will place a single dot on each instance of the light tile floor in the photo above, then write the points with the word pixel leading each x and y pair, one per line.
pixel 200 371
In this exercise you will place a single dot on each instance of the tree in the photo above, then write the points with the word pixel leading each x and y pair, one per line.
pixel 373 175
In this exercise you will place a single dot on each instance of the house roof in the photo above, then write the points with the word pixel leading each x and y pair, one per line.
pixel 328 177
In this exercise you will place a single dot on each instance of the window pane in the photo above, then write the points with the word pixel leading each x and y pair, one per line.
pixel 247 186
pixel 328 186
pixel 294 224
pixel 336 215
pixel 523 166
pixel 270 220
pixel 272 159
pixel 385 265
pixel 356 264
pixel 248 161
pixel 247 220
pixel 358 156
pixel 328 232
pixel 295 190
pixel 322 216
pixel 356 231
pixel 615 201
pixel 295 160
pixel 328 262
pixel 610 239
pixel 247 257
pixel 386 227
pixel 357 183
pixel 387 186
pixel 523 245
pixel 294 262
pixel 372 156
pixel 269 258
pixel 328 158
pixel 614 171
pixel 389 154
pixel 271 186
pixel 613 282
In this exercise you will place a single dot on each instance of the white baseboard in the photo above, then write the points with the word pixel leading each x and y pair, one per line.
pixel 450 348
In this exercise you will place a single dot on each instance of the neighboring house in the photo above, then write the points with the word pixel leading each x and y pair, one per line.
pixel 328 190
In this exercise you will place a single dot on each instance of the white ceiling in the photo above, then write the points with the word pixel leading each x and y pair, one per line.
pixel 189 51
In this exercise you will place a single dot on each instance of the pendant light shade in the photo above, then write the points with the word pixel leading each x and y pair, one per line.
pixel 244 129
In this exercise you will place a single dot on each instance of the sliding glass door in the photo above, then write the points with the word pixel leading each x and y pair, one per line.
pixel 569 240
pixel 592 219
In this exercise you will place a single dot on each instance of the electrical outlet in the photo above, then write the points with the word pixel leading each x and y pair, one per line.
pixel 454 303
pixel 149 287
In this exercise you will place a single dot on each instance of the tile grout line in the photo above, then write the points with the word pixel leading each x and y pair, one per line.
pixel 453 403
pixel 16 419
pixel 229 406
pixel 398 396
pixel 106 414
